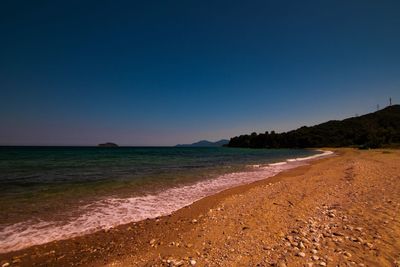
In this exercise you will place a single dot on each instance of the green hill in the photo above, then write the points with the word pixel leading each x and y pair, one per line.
pixel 381 128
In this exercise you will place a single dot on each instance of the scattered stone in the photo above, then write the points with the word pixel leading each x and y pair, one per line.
pixel 326 234
pixel 6 264
pixel 289 238
pixel 347 254
pixel 369 245
pixel 194 221
pixel 175 262
pixel 354 239
pixel 315 257
pixel 314 251
pixel 16 261
pixel 192 262
pixel 337 233
pixel 152 242
pixel 322 263
pixel 301 254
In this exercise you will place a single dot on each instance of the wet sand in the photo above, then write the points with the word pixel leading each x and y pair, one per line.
pixel 342 210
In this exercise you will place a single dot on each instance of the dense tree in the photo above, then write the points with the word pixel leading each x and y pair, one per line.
pixel 371 130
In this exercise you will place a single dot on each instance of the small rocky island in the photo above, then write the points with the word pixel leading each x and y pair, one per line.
pixel 108 144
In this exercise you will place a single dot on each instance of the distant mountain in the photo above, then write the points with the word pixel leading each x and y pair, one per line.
pixel 205 143
pixel 109 144
pixel 380 128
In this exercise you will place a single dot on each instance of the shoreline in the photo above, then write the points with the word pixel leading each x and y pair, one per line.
pixel 139 243
pixel 224 192
pixel 185 194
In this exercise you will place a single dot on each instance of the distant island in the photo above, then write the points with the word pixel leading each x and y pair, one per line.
pixel 373 130
pixel 205 143
pixel 108 144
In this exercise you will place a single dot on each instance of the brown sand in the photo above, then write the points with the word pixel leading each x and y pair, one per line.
pixel 343 210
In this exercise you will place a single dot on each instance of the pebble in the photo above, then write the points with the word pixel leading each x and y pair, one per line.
pixel 193 262
pixel 16 261
pixel 337 233
pixel 347 254
pixel 6 264
pixel 301 254
pixel 175 262
pixel 315 257
pixel 322 263
pixel 314 251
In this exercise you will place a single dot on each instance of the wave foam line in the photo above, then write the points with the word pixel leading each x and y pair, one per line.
pixel 108 213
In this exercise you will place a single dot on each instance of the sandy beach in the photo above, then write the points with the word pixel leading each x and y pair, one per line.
pixel 342 210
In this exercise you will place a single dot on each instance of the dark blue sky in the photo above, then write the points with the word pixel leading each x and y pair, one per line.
pixel 167 72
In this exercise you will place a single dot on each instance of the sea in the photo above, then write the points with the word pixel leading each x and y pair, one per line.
pixel 54 193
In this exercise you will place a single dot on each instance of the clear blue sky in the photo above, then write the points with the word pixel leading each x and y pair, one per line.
pixel 167 72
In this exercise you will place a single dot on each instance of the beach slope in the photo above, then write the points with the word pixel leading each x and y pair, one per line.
pixel 342 210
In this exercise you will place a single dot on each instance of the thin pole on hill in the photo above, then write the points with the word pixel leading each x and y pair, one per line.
pixel 390 101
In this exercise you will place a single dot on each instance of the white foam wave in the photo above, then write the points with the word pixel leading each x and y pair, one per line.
pixel 278 163
pixel 323 154
pixel 111 212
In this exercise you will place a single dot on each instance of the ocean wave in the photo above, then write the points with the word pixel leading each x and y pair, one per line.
pixel 111 212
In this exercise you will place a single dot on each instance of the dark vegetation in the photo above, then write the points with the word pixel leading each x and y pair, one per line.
pixel 373 130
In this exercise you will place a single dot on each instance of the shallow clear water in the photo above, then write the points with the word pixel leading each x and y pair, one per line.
pixel 52 193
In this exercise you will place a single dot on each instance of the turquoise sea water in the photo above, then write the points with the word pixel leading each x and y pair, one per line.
pixel 59 192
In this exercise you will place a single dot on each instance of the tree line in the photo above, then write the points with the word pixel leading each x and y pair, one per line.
pixel 373 130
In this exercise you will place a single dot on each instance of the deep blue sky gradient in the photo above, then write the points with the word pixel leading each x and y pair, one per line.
pixel 167 72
